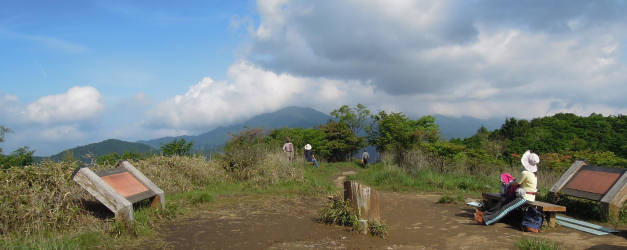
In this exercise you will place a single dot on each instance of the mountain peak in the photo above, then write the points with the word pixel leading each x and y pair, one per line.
pixel 290 117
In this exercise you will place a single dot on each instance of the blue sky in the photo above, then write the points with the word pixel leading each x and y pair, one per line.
pixel 118 47
pixel 77 72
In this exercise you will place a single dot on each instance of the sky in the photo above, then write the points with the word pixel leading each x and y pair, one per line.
pixel 78 72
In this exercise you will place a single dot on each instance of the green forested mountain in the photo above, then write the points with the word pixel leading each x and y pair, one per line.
pixel 102 148
pixel 566 132
pixel 559 139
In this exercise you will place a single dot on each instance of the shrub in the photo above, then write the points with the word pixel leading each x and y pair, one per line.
pixel 177 147
pixel 338 212
pixel 243 153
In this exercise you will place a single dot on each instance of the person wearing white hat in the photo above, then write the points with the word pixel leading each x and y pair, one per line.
pixel 309 157
pixel 526 191
pixel 528 179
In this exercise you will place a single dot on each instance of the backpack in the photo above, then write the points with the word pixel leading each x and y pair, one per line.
pixel 532 220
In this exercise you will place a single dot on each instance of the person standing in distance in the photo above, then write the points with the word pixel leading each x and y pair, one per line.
pixel 288 148
pixel 364 158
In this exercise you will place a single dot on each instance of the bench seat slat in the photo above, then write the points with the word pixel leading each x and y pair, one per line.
pixel 546 207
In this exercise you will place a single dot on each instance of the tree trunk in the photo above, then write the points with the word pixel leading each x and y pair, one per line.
pixel 364 200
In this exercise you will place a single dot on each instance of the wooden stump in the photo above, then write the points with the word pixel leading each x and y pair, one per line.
pixel 364 200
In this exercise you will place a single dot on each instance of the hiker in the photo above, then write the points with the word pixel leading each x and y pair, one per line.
pixel 309 157
pixel 525 190
pixel 364 158
pixel 288 148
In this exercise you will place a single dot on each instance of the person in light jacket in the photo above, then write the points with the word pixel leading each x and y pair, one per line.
pixel 364 158
pixel 288 148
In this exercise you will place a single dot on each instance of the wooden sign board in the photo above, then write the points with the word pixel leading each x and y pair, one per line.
pixel 119 188
pixel 606 185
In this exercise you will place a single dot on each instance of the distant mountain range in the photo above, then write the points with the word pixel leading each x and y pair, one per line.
pixel 290 117
pixel 104 147
pixel 287 117
pixel 452 127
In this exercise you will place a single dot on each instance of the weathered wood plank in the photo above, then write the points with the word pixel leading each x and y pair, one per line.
pixel 547 207
pixel 613 201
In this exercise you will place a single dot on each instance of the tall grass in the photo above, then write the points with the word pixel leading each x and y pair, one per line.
pixel 427 172
pixel 421 176
pixel 40 196
pixel 40 204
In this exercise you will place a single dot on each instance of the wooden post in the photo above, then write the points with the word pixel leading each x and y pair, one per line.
pixel 364 200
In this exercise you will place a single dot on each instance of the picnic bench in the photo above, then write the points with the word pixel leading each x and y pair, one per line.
pixel 548 209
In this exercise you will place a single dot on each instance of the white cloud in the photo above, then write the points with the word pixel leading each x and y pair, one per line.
pixel 250 90
pixel 78 103
pixel 452 57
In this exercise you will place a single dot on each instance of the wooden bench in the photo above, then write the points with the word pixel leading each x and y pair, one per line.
pixel 547 208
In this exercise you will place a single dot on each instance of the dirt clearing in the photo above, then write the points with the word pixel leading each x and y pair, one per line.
pixel 415 221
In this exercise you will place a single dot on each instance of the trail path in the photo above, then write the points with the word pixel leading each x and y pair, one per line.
pixel 415 221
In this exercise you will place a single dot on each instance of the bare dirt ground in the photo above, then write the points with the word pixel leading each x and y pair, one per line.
pixel 415 221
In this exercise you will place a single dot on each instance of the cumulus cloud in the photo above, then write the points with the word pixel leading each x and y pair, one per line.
pixel 249 90
pixel 78 103
pixel 453 57
pixel 52 122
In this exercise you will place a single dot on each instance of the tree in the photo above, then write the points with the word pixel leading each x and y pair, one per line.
pixel 177 147
pixel 3 132
pixel 19 158
pixel 354 118
pixel 341 141
pixel 395 132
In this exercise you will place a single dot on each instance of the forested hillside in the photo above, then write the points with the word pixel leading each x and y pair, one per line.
pixel 103 148
pixel 559 139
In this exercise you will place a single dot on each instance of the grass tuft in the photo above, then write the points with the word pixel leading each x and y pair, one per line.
pixel 338 212
pixel 451 199
pixel 379 229
pixel 537 244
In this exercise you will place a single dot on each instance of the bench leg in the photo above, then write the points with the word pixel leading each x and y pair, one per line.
pixel 550 219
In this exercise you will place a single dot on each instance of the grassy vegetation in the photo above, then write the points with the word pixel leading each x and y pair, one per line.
pixel 51 211
pixel 338 212
pixel 41 208
pixel 537 244
pixel 379 229
pixel 393 178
